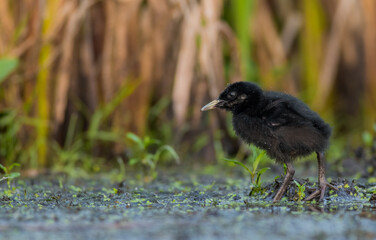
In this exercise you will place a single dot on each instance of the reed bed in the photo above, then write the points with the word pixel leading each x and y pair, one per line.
pixel 148 66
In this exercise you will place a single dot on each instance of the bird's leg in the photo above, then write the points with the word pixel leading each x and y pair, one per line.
pixel 321 178
pixel 289 175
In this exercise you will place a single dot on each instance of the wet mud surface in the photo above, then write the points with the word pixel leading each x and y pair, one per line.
pixel 171 208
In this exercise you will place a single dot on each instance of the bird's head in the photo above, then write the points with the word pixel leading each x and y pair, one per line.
pixel 236 97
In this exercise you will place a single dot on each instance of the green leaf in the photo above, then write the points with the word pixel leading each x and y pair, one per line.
pixel 259 173
pixel 240 164
pixel 136 139
pixel 297 184
pixel 257 160
pixel 168 149
pixel 150 141
pixel 262 170
pixel 7 66
pixel 13 165
pixel 3 168
pixel 13 175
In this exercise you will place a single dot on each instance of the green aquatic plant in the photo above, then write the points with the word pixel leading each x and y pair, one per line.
pixel 147 152
pixel 255 173
pixel 301 191
pixel 8 174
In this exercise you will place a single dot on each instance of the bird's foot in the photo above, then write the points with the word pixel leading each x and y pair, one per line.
pixel 278 196
pixel 286 181
pixel 321 191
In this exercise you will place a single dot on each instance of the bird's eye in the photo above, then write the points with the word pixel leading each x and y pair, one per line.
pixel 232 94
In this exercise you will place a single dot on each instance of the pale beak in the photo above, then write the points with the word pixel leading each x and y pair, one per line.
pixel 211 105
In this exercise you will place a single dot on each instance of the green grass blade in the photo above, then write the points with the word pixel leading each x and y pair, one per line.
pixel 13 165
pixel 259 173
pixel 240 164
pixel 7 66
pixel 136 139
pixel 13 175
pixel 107 109
pixel 3 168
pixel 169 150
pixel 257 160
pixel 297 184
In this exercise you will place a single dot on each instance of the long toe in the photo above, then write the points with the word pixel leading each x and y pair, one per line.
pixel 277 198
pixel 320 192
pixel 332 186
pixel 313 195
pixel 323 186
pixel 279 194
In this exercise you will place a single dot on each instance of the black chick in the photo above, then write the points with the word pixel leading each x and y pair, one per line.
pixel 280 124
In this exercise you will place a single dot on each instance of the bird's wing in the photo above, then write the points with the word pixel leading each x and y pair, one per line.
pixel 284 109
pixel 298 141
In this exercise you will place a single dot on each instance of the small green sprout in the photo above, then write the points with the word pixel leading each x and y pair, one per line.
pixel 8 174
pixel 255 173
pixel 301 190
pixel 147 152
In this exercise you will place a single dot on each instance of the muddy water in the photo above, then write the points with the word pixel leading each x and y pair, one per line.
pixel 198 208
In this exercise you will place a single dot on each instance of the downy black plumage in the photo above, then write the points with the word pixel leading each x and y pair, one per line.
pixel 279 123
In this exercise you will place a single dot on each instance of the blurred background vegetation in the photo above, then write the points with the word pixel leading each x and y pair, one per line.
pixel 78 76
